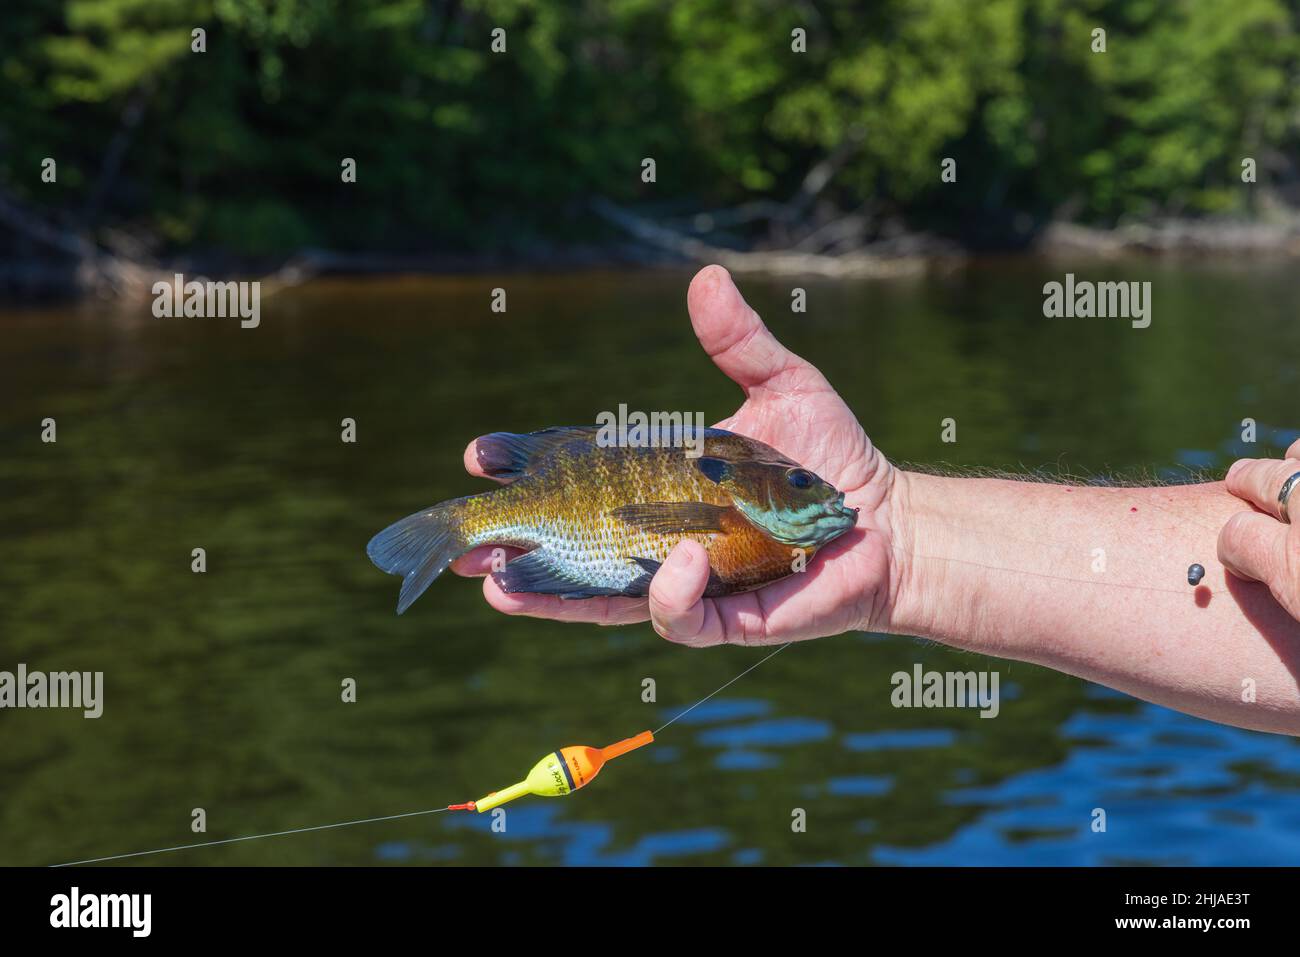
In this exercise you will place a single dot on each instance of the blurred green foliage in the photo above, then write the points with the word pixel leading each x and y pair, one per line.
pixel 458 147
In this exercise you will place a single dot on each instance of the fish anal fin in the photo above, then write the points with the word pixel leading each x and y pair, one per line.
pixel 641 586
pixel 536 574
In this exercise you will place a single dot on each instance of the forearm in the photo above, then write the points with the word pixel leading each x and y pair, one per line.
pixel 1093 582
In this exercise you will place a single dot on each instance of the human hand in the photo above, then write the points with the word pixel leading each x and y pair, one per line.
pixel 1258 545
pixel 790 406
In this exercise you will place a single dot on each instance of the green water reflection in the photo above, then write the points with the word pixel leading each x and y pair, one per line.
pixel 223 689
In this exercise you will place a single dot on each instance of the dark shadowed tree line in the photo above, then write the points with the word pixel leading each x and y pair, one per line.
pixel 238 150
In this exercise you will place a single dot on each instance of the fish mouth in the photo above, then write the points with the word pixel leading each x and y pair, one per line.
pixel 830 526
pixel 839 518
pixel 810 529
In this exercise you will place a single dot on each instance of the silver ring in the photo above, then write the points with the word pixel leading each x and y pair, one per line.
pixel 1284 495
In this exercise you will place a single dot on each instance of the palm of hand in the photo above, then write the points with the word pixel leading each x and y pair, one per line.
pixel 790 406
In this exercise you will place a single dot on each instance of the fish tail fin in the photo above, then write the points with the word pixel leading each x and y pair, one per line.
pixel 419 548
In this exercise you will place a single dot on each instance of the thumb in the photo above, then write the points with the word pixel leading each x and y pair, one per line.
pixel 734 336
pixel 676 609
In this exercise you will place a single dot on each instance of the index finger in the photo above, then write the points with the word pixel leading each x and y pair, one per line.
pixel 596 611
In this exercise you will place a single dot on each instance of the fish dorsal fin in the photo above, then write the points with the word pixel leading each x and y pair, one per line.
pixel 665 518
pixel 508 455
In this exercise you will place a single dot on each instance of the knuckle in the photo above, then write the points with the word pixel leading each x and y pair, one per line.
pixel 1234 530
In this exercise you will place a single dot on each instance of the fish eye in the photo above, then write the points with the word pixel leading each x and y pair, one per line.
pixel 799 478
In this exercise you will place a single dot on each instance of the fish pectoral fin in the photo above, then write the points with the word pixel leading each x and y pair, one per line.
pixel 535 574
pixel 665 518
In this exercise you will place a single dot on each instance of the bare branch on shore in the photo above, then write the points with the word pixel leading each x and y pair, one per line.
pixel 93 269
pixel 857 263
pixel 1177 236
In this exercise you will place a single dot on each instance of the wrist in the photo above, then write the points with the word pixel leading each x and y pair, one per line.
pixel 927 594
pixel 906 605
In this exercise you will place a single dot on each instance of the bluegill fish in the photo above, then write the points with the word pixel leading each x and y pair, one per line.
pixel 599 520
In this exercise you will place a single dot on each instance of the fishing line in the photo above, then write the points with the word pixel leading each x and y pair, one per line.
pixel 677 717
pixel 724 687
pixel 1184 518
pixel 251 837
pixel 1068 549
pixel 622 747
pixel 1033 574
pixel 394 817
pixel 521 787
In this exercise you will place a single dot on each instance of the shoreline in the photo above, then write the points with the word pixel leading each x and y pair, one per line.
pixel 63 273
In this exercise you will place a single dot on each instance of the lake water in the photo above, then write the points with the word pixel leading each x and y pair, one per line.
pixel 222 690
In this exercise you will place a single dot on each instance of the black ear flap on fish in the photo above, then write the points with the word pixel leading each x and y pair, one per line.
pixel 715 470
